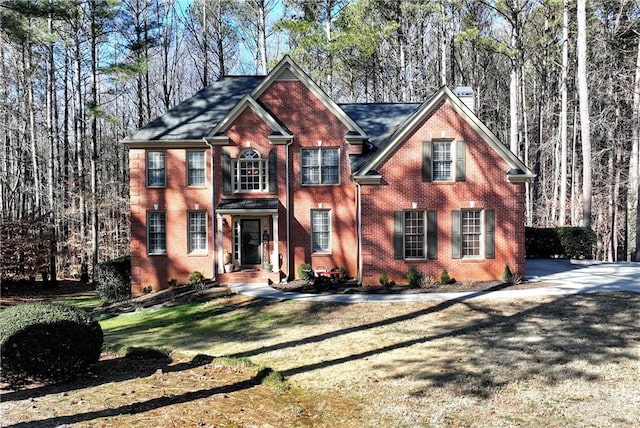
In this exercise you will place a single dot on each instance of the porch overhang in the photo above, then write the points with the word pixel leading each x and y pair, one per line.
pixel 248 206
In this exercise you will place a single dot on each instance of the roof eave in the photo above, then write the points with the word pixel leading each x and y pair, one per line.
pixel 151 144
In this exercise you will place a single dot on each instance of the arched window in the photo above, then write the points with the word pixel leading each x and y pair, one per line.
pixel 250 174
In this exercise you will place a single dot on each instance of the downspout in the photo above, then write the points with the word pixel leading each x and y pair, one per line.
pixel 359 221
pixel 213 214
pixel 287 203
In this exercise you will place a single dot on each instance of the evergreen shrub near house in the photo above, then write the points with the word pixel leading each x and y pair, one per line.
pixel 113 279
pixel 48 342
pixel 414 276
pixel 571 242
pixel 305 272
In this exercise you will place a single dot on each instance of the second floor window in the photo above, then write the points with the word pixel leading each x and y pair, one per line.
pixel 195 168
pixel 250 172
pixel 320 166
pixel 442 161
pixel 156 169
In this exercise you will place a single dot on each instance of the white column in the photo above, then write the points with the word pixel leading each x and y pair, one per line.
pixel 275 258
pixel 220 248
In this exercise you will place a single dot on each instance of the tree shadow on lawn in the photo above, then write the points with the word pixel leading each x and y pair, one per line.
pixel 542 340
pixel 112 370
pixel 151 404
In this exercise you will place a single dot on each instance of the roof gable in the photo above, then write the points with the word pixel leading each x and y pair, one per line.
pixel 518 171
pixel 287 69
pixel 249 102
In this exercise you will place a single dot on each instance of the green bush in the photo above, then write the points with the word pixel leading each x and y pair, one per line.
pixel 571 242
pixel 507 274
pixel 444 277
pixel 322 283
pixel 196 278
pixel 305 272
pixel 414 276
pixel 384 279
pixel 48 342
pixel 113 279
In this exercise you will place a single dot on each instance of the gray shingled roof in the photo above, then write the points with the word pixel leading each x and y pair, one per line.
pixel 379 121
pixel 194 118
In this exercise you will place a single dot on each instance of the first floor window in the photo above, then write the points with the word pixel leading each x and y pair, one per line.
pixel 156 172
pixel 471 233
pixel 414 234
pixel 157 232
pixel 195 168
pixel 320 166
pixel 197 231
pixel 320 231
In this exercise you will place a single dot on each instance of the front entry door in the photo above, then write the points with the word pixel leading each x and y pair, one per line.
pixel 250 241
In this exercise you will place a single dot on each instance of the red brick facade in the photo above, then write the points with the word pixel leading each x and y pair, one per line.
pixel 363 244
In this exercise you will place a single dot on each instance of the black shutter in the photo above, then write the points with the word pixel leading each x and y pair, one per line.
pixel 427 166
pixel 273 171
pixel 489 228
pixel 432 235
pixel 398 241
pixel 226 172
pixel 456 237
pixel 461 170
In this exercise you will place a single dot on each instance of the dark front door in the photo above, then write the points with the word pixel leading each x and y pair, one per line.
pixel 250 241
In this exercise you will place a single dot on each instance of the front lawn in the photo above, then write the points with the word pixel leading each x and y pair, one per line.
pixel 547 362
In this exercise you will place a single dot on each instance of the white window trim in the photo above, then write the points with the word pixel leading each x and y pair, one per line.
pixel 189 238
pixel 481 251
pixel 330 240
pixel 452 172
pixel 157 253
pixel 204 168
pixel 264 172
pixel 147 169
pixel 319 150
pixel 424 235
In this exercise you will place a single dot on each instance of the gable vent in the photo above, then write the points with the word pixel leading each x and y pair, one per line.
pixel 287 75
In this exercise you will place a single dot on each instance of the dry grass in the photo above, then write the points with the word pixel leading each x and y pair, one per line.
pixel 547 362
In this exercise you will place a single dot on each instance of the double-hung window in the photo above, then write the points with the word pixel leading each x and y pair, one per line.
pixel 320 166
pixel 414 236
pixel 156 232
pixel 156 169
pixel 471 233
pixel 442 161
pixel 195 168
pixel 320 231
pixel 250 172
pixel 197 231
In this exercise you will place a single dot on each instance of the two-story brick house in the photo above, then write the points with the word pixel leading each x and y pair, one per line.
pixel 257 170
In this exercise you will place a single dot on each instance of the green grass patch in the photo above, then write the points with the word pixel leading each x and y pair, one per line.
pixel 87 303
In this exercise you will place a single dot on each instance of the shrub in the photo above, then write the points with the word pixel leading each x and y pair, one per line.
pixel 506 274
pixel 414 276
pixel 47 342
pixel 344 275
pixel 427 282
pixel 305 272
pixel 384 279
pixel 444 277
pixel 572 242
pixel 113 279
pixel 322 283
pixel 196 278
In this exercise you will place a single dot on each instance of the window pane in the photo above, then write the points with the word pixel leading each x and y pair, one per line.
pixel 414 234
pixel 442 160
pixel 320 166
pixel 156 169
pixel 250 172
pixel 471 233
pixel 195 166
pixel 197 231
pixel 156 232
pixel 320 231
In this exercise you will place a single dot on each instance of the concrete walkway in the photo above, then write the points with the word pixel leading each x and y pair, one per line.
pixel 569 277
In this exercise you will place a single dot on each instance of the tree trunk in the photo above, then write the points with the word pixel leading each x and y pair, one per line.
pixel 585 132
pixel 562 218
pixel 633 189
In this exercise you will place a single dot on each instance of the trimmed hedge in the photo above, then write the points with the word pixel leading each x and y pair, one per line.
pixel 48 342
pixel 113 279
pixel 566 242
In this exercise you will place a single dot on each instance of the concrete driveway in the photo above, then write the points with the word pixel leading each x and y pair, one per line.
pixel 585 276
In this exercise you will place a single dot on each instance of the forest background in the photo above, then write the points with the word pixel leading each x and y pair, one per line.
pixel 558 81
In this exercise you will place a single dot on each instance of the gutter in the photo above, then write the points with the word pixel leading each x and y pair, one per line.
pixel 213 215
pixel 287 206
pixel 359 222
